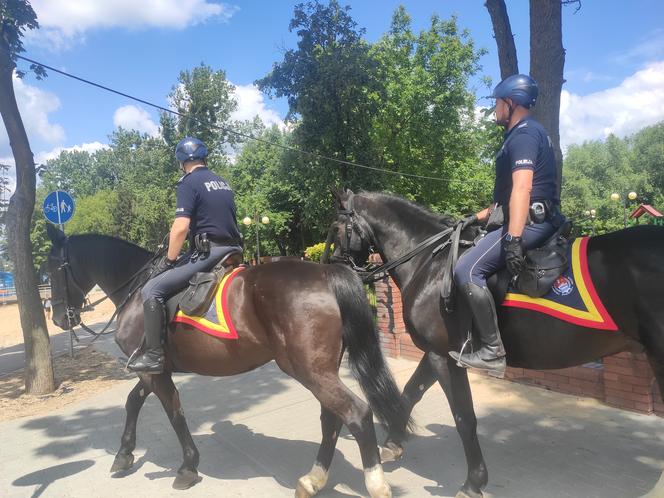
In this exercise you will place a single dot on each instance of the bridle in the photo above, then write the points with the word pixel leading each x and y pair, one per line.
pixel 71 312
pixel 351 224
pixel 371 273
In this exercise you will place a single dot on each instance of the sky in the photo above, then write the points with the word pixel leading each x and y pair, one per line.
pixel 614 66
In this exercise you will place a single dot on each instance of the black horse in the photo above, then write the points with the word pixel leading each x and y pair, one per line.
pixel 626 267
pixel 302 315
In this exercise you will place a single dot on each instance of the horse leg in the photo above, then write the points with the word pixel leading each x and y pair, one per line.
pixel 422 379
pixel 454 381
pixel 124 458
pixel 316 479
pixel 163 387
pixel 358 417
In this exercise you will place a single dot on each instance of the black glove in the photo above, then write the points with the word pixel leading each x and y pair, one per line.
pixel 514 255
pixel 163 265
pixel 469 220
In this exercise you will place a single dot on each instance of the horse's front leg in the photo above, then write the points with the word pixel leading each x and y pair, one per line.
pixel 422 379
pixel 454 381
pixel 124 459
pixel 163 387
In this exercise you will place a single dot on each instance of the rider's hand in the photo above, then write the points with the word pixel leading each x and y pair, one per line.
pixel 514 255
pixel 163 265
pixel 469 220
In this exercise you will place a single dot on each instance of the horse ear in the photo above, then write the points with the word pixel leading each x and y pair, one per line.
pixel 56 235
pixel 337 195
pixel 349 192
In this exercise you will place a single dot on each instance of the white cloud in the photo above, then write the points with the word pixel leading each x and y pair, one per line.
pixel 251 103
pixel 63 22
pixel 43 156
pixel 622 110
pixel 34 105
pixel 131 117
pixel 649 49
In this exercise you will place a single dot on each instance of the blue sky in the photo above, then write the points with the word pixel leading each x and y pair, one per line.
pixel 614 64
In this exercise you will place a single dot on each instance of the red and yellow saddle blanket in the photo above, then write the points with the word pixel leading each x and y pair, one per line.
pixel 572 298
pixel 217 319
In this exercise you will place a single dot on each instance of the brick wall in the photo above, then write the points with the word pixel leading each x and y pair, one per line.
pixel 624 380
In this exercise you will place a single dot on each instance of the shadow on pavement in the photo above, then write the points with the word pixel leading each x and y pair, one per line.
pixel 44 477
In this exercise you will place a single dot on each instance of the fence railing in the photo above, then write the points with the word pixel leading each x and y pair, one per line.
pixel 8 294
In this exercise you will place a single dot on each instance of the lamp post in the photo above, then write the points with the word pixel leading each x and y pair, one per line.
pixel 591 214
pixel 615 197
pixel 246 221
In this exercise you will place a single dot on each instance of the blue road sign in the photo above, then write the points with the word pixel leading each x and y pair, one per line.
pixel 58 207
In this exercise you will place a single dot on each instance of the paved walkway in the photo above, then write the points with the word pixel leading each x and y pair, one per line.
pixel 258 432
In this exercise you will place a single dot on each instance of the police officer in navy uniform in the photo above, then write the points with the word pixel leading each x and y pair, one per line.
pixel 205 205
pixel 526 206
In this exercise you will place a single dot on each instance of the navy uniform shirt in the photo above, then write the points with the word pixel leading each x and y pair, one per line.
pixel 209 203
pixel 526 146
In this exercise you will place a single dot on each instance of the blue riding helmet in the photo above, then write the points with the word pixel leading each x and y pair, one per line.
pixel 189 149
pixel 521 88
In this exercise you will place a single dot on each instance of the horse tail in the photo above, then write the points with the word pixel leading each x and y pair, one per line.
pixel 365 356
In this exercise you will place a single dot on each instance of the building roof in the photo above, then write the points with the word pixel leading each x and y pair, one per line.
pixel 646 209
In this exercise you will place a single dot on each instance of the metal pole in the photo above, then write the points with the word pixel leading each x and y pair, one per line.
pixel 625 211
pixel 258 242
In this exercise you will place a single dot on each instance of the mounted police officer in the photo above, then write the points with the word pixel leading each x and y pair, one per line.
pixel 205 212
pixel 524 214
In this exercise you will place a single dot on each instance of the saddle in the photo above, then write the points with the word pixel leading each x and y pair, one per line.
pixel 197 297
pixel 543 266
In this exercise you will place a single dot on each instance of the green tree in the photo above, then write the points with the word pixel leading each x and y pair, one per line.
pixel 17 16
pixel 426 124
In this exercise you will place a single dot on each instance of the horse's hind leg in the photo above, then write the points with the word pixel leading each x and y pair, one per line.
pixel 163 387
pixel 422 379
pixel 124 458
pixel 358 417
pixel 316 479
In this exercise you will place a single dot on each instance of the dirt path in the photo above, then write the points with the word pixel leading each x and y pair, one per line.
pixel 88 373
pixel 10 323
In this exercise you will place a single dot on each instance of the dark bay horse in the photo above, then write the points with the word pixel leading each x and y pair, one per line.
pixel 302 315
pixel 626 267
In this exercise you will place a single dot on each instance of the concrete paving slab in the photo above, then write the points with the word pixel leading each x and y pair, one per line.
pixel 258 432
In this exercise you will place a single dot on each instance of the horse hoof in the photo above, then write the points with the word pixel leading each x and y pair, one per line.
pixel 468 494
pixel 122 462
pixel 301 491
pixel 391 453
pixel 185 479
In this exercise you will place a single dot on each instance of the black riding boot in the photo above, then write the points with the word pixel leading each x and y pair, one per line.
pixel 491 356
pixel 154 317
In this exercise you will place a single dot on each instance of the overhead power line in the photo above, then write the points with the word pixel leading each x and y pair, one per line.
pixel 246 136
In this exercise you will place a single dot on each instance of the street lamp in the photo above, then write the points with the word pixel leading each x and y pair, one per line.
pixel 246 221
pixel 615 197
pixel 592 214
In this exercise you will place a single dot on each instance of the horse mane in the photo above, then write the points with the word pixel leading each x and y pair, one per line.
pixel 421 213
pixel 98 237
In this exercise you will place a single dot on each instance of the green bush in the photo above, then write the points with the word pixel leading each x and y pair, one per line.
pixel 315 252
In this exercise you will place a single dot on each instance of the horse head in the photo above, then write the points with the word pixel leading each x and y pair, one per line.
pixel 351 234
pixel 68 286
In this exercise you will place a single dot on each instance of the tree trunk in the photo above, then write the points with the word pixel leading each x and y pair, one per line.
pixel 547 61
pixel 502 32
pixel 38 363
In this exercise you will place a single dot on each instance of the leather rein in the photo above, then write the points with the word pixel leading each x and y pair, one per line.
pixel 354 223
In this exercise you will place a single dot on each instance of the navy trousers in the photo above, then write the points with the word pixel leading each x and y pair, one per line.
pixel 488 257
pixel 171 281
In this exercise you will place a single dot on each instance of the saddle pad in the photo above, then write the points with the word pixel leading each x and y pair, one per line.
pixel 572 298
pixel 216 320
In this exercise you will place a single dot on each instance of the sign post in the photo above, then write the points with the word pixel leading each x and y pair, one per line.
pixel 59 208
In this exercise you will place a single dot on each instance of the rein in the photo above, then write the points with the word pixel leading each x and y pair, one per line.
pixel 382 271
pixel 72 310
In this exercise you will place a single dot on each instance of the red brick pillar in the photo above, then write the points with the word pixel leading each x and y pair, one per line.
pixel 629 382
